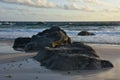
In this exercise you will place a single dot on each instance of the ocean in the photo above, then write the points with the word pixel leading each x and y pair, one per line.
pixel 105 32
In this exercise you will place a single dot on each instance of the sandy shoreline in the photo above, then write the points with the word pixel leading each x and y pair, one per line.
pixel 17 65
pixel 107 51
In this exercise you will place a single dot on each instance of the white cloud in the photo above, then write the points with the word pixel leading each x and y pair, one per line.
pixel 33 3
pixel 80 5
pixel 91 5
pixel 76 7
pixel 115 9
pixel 47 4
pixel 99 3
pixel 70 7
pixel 96 5
pixel 88 9
pixel 91 1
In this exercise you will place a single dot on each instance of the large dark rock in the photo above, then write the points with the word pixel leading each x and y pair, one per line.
pixel 20 43
pixel 52 37
pixel 85 33
pixel 57 52
pixel 71 58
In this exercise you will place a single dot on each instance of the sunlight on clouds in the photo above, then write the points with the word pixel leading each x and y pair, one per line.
pixel 64 10
pixel 72 6
pixel 77 7
pixel 113 9
pixel 87 9
pixel 88 5
pixel 94 16
pixel 97 5
pixel 33 3
pixel 45 3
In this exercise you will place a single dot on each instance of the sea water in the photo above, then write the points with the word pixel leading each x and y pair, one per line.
pixel 104 34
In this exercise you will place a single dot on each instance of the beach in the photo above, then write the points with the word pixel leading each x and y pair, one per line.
pixel 59 40
pixel 16 65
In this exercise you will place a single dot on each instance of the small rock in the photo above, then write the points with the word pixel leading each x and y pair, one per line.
pixel 85 33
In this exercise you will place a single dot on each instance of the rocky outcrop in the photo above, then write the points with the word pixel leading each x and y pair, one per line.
pixel 69 57
pixel 85 33
pixel 52 37
pixel 56 51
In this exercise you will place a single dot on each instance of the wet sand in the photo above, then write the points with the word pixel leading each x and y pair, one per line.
pixel 15 65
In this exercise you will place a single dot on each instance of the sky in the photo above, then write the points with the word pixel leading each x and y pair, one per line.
pixel 59 10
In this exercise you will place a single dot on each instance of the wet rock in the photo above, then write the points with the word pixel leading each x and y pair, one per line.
pixel 67 58
pixel 20 43
pixel 106 64
pixel 85 33
pixel 52 37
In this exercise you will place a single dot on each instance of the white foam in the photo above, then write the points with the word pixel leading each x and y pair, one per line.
pixel 106 37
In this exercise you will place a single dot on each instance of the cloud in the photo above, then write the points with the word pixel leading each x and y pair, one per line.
pixel 99 3
pixel 76 7
pixel 33 3
pixel 80 5
pixel 88 9
pixel 115 9
pixel 90 5
pixel 92 1
pixel 48 4
pixel 70 7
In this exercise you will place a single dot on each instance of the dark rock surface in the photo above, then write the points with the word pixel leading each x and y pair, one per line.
pixel 57 52
pixel 71 58
pixel 20 43
pixel 52 37
pixel 106 64
pixel 85 33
